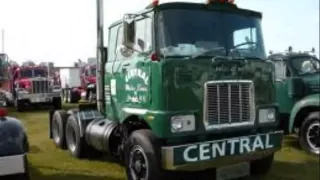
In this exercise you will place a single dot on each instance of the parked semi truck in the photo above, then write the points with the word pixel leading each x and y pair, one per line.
pixel 30 84
pixel 298 96
pixel 183 89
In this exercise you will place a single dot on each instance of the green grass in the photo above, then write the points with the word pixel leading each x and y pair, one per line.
pixel 49 163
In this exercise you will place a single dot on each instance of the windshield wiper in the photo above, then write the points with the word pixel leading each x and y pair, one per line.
pixel 206 52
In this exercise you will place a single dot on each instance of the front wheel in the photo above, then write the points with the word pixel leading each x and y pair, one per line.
pixel 309 135
pixel 142 156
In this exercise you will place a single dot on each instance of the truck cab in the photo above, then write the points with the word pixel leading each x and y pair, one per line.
pixel 298 92
pixel 88 81
pixel 32 84
pixel 185 87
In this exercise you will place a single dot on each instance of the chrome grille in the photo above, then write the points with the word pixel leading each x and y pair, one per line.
pixel 229 103
pixel 39 86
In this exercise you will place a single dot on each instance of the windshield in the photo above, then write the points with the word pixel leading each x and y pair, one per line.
pixel 187 32
pixel 305 65
pixel 28 73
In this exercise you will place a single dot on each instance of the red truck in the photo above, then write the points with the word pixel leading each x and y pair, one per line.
pixel 31 84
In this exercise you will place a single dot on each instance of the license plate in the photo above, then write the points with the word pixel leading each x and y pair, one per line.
pixel 233 171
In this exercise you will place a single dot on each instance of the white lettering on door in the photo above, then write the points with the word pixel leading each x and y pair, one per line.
pixel 113 87
pixel 186 154
pixel 203 151
pixel 257 144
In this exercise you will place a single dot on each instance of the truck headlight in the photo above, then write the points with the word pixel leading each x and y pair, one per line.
pixel 22 91
pixel 182 123
pixel 91 85
pixel 267 115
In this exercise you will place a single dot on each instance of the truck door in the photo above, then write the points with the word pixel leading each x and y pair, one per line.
pixel 127 71
pixel 282 96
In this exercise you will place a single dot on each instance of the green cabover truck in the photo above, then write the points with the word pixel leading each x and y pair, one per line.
pixel 183 89
pixel 298 96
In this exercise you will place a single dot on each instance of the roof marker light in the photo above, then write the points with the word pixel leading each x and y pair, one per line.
pixel 155 3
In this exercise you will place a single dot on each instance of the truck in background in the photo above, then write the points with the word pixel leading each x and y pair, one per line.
pixel 70 84
pixel 79 81
pixel 30 84
pixel 88 79
pixel 298 96
pixel 173 98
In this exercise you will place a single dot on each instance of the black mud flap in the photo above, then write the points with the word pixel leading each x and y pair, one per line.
pixel 51 112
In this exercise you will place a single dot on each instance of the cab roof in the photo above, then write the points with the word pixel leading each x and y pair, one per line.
pixel 288 56
pixel 189 5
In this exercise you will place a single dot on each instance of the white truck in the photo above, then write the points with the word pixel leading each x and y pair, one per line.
pixel 70 84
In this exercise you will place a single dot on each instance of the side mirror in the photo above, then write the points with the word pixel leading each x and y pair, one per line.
pixel 129 30
pixel 296 87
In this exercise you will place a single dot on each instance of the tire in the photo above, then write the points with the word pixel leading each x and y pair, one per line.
pixel 145 143
pixel 261 167
pixel 65 96
pixel 310 127
pixel 57 104
pixel 58 126
pixel 74 97
pixel 91 100
pixel 75 143
pixel 19 105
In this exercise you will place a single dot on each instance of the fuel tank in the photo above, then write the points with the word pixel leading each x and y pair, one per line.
pixel 98 133
pixel 13 138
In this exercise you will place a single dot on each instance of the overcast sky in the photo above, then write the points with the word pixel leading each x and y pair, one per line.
pixel 64 30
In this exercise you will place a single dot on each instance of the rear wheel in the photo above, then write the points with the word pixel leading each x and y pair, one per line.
pixel 76 144
pixel 65 96
pixel 58 126
pixel 57 104
pixel 309 134
pixel 19 105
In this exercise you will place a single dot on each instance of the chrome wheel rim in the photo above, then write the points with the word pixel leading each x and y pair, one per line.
pixel 138 164
pixel 313 137
pixel 71 138
pixel 55 131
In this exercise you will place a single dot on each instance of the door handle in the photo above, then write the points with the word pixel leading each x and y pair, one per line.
pixel 126 64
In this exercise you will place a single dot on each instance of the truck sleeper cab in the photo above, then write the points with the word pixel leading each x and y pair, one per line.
pixel 187 87
pixel 298 92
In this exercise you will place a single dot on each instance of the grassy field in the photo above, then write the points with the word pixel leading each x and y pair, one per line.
pixel 49 163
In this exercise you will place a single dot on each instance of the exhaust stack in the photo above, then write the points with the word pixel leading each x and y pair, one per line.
pixel 100 58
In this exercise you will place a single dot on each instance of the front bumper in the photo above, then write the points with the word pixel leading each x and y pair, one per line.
pixel 211 154
pixel 40 97
pixel 10 165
